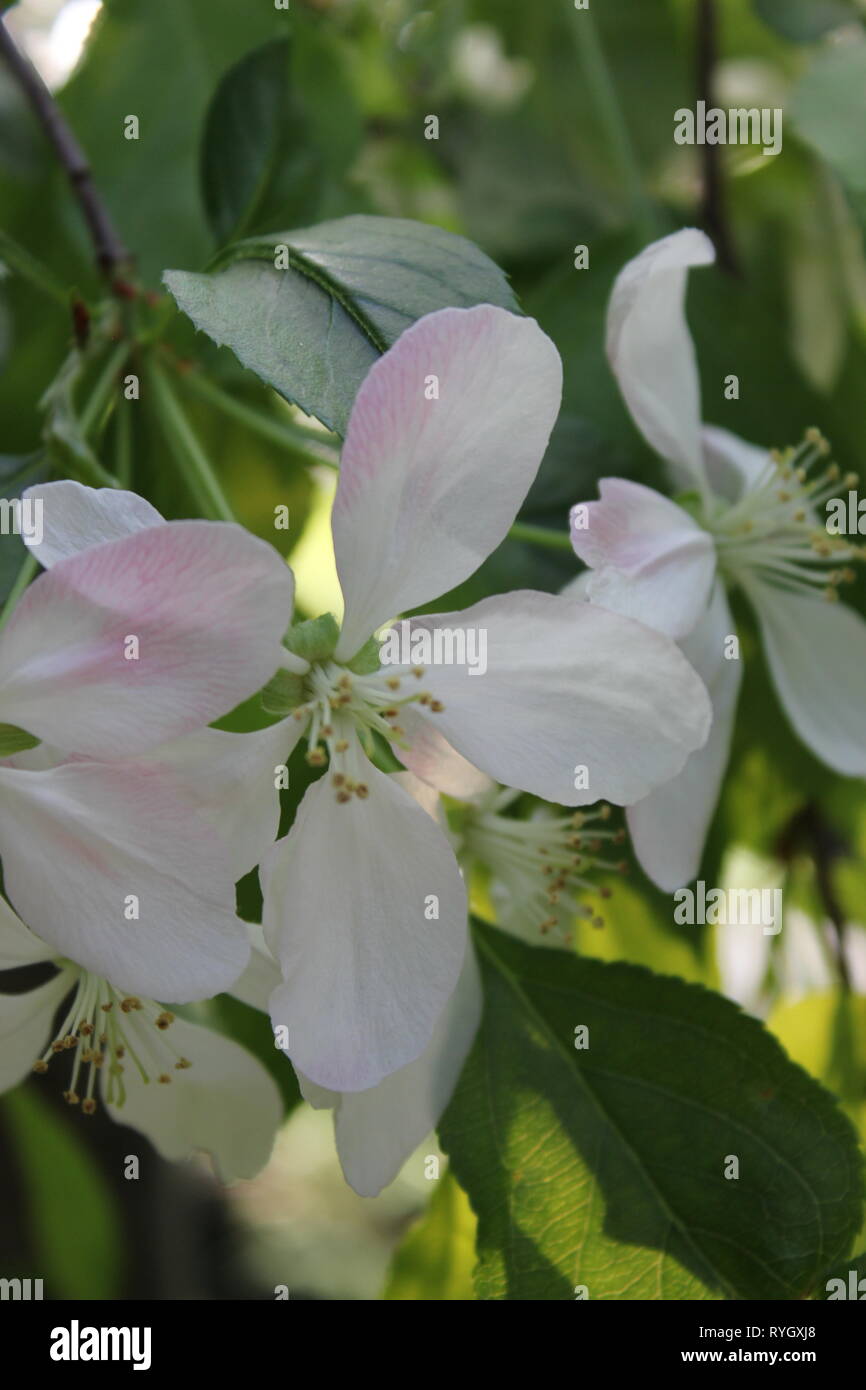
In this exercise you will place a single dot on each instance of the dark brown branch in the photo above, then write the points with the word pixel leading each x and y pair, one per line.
pixel 808 830
pixel 714 214
pixel 111 254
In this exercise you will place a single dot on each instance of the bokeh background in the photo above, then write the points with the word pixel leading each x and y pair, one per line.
pixel 533 158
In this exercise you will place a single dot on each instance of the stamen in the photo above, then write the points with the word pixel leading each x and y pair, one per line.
pixel 133 1019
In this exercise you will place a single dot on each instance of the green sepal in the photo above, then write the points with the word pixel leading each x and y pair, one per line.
pixel 366 661
pixel 283 693
pixel 691 502
pixel 14 740
pixel 314 640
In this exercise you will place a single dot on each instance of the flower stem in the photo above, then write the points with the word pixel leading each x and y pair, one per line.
pixel 32 270
pixel 540 535
pixel 599 81
pixel 94 410
pixel 190 456
pixel 284 433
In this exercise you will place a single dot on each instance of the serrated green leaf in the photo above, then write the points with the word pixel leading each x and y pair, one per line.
pixel 314 330
pixel 605 1167
pixel 435 1261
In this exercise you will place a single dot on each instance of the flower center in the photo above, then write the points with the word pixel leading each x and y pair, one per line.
pixel 105 1027
pixel 347 711
pixel 775 532
pixel 540 867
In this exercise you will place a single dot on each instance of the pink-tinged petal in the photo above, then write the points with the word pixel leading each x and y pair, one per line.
pixel 577 704
pixel 231 779
pixel 432 759
pixel 225 1104
pixel 18 945
pixel 207 604
pixel 85 844
pixel 429 487
pixel 651 351
pixel 649 559
pixel 25 1027
pixel 668 828
pixel 817 656
pixel 377 1130
pixel 75 518
pixel 733 466
pixel 367 973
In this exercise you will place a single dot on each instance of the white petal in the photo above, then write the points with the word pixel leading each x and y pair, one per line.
pixel 378 1129
pixel 80 843
pixel 366 973
pixel 231 780
pixel 432 759
pixel 817 656
pixel 428 488
pixel 733 466
pixel 208 604
pixel 261 976
pixel 651 350
pixel 225 1104
pixel 25 1027
pixel 427 797
pixel 75 517
pixel 18 945
pixel 668 828
pixel 649 559
pixel 568 685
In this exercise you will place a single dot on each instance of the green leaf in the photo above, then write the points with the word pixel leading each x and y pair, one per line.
pixel 159 60
pixel 826 1034
pixel 604 1167
pixel 314 330
pixel 803 21
pixel 257 162
pixel 74 1220
pixel 435 1261
pixel 14 740
pixel 828 110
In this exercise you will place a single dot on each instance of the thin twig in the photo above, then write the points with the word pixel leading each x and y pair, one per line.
pixel 111 254
pixel 809 830
pixel 714 212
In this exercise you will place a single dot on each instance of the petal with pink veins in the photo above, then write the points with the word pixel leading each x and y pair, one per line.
pixel 649 559
pixel 429 487
pixel 207 604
